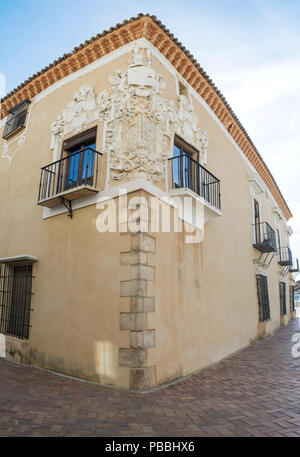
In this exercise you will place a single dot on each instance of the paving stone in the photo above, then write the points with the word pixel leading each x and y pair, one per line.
pixel 256 392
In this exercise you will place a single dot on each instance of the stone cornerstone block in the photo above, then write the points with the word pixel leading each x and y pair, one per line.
pixel 142 304
pixel 144 339
pixel 133 321
pixel 142 242
pixel 142 272
pixel 142 378
pixel 17 350
pixel 134 287
pixel 130 357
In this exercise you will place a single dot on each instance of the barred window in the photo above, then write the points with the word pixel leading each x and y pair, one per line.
pixel 15 299
pixel 263 298
pixel 282 295
pixel 16 118
pixel 292 299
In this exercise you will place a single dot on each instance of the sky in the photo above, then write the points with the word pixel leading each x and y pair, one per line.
pixel 249 48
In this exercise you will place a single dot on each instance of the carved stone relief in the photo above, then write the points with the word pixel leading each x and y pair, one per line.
pixel 11 147
pixel 75 118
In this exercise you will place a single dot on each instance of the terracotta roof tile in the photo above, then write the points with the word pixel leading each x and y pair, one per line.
pixel 264 171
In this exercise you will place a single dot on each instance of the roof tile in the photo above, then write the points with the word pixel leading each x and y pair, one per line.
pixel 192 60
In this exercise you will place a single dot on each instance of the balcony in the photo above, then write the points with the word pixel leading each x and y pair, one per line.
pixel 285 257
pixel 295 267
pixel 265 238
pixel 69 178
pixel 190 174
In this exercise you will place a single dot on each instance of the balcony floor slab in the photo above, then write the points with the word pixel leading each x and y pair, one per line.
pixel 70 194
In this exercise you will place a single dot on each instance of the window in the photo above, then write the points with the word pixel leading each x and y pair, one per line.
pixel 257 222
pixel 15 299
pixel 263 298
pixel 78 169
pixel 282 295
pixel 16 118
pixel 279 242
pixel 292 299
pixel 182 165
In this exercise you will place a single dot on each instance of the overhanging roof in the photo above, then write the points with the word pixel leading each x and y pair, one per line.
pixel 154 31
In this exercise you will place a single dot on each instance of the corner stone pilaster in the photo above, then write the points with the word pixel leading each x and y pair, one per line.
pixel 141 376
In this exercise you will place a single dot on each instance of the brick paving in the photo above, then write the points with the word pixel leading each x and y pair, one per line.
pixel 256 392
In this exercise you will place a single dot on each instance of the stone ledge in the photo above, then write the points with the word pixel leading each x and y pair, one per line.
pixel 15 349
pixel 134 257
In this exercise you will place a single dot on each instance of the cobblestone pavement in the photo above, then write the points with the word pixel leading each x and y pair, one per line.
pixel 256 392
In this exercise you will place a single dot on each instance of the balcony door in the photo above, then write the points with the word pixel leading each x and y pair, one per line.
pixel 279 242
pixel 79 166
pixel 183 172
pixel 257 222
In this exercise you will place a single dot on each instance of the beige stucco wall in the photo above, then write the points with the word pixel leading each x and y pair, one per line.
pixel 205 294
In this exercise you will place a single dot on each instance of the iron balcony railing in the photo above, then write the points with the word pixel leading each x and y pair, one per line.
pixel 285 257
pixel 188 173
pixel 295 267
pixel 264 237
pixel 76 170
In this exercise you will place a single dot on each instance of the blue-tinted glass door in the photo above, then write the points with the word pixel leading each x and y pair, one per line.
pixel 88 164
pixel 80 165
pixel 177 172
pixel 182 167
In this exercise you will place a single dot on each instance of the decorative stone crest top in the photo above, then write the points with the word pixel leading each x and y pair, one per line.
pixel 140 122
pixel 145 27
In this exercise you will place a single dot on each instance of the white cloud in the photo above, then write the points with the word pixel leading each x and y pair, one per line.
pixel 2 85
pixel 266 98
pixel 255 87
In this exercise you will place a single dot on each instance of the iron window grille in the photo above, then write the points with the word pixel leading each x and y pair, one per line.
pixel 263 298
pixel 16 118
pixel 292 299
pixel 282 295
pixel 15 299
